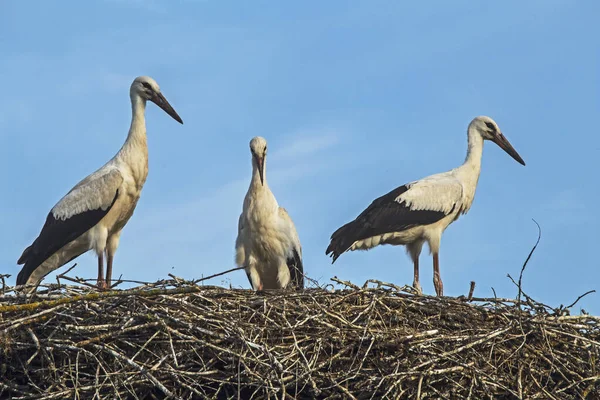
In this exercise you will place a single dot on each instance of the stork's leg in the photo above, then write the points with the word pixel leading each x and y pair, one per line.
pixel 111 247
pixel 416 283
pixel 109 264
pixel 437 279
pixel 101 283
pixel 99 236
pixel 414 250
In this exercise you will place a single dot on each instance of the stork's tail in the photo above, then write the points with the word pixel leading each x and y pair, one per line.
pixel 24 256
pixel 297 270
pixel 30 264
pixel 341 241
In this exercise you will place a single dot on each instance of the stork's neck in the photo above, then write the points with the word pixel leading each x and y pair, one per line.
pixel 474 149
pixel 136 139
pixel 135 149
pixel 468 173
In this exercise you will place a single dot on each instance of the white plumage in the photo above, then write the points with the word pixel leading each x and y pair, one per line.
pixel 420 211
pixel 96 191
pixel 437 192
pixel 93 213
pixel 267 244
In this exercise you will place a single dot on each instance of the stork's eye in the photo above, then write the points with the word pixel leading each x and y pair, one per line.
pixel 146 85
pixel 490 126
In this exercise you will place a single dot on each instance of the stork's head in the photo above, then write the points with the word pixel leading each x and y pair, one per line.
pixel 489 130
pixel 147 88
pixel 258 148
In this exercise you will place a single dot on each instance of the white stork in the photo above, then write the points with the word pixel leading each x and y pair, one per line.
pixel 267 244
pixel 93 213
pixel 420 211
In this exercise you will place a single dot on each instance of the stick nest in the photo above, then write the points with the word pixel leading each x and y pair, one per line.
pixel 175 339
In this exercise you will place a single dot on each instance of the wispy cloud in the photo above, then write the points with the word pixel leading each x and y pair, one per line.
pixel 307 142
pixel 221 207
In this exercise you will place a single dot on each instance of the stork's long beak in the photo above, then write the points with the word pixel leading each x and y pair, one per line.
pixel 162 102
pixel 261 169
pixel 260 164
pixel 505 145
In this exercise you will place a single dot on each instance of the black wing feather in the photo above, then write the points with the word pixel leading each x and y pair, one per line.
pixel 384 215
pixel 296 267
pixel 54 235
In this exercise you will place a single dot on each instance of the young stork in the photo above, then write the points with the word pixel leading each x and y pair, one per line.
pixel 420 211
pixel 267 244
pixel 93 213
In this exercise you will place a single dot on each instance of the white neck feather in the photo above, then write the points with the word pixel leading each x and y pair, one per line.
pixel 474 148
pixel 469 171
pixel 134 151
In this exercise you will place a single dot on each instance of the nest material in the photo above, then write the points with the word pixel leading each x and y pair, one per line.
pixel 179 340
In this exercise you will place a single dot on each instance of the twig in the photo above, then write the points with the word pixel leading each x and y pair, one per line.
pixel 215 275
pixel 471 290
pixel 345 283
pixel 527 260
pixel 58 277
pixel 3 277
pixel 579 298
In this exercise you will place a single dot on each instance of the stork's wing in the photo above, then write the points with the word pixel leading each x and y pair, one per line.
pixel 417 203
pixel 437 193
pixel 294 258
pixel 81 209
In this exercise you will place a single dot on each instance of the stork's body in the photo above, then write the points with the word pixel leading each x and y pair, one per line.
pixel 420 211
pixel 93 213
pixel 267 244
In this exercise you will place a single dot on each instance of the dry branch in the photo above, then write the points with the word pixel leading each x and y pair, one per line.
pixel 175 339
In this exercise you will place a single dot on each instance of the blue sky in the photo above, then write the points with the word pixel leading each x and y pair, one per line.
pixel 355 98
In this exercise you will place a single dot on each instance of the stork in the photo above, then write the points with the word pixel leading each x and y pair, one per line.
pixel 267 244
pixel 93 213
pixel 420 211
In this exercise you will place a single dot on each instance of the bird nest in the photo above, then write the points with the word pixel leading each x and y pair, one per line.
pixel 176 339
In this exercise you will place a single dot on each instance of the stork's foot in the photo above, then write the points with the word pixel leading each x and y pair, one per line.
pixel 417 286
pixel 101 284
pixel 259 289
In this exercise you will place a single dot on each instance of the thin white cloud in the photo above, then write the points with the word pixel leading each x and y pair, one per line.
pixel 220 208
pixel 306 143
